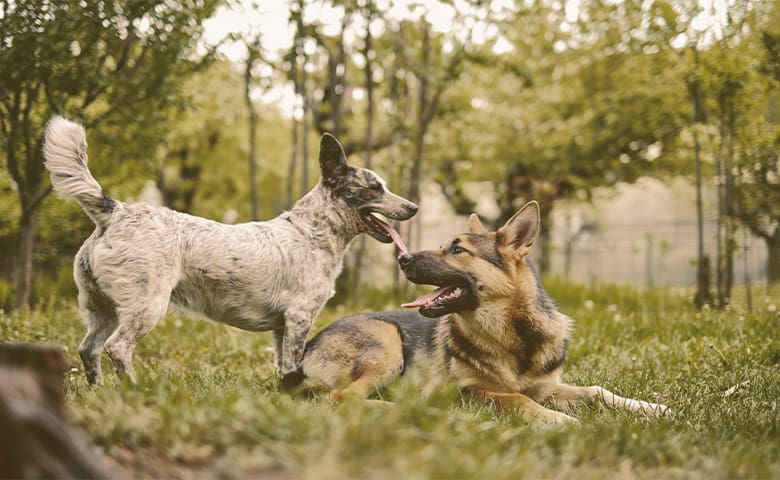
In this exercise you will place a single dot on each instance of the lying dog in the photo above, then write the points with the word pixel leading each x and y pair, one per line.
pixel 490 325
pixel 274 275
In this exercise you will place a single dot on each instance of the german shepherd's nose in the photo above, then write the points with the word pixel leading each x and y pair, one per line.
pixel 404 259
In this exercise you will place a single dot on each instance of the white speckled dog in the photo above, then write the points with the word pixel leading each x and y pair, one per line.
pixel 274 275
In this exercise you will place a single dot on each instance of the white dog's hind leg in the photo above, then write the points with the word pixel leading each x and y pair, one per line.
pixel 134 323
pixel 101 322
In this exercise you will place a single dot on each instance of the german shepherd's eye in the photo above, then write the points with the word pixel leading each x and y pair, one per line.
pixel 456 249
pixel 377 187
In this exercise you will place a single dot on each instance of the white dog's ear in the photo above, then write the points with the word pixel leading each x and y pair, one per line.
pixel 519 232
pixel 333 161
pixel 475 226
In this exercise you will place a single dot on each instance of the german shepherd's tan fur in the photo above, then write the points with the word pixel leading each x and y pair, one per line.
pixel 491 327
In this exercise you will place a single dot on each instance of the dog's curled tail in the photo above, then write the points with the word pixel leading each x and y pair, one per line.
pixel 65 153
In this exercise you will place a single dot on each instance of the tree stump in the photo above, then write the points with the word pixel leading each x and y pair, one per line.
pixel 35 440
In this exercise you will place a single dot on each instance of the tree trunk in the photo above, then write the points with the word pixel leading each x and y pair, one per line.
pixel 422 126
pixel 24 265
pixel 730 240
pixel 702 296
pixel 368 143
pixel 35 441
pixel 252 135
pixel 773 267
pixel 293 161
pixel 720 187
pixel 306 130
pixel 545 241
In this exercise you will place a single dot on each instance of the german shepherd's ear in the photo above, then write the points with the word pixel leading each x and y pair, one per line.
pixel 520 231
pixel 475 226
pixel 333 161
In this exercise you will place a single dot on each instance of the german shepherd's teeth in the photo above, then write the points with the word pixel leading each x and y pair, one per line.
pixel 455 293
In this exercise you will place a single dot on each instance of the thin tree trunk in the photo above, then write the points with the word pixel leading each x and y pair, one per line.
pixel 545 240
pixel 368 142
pixel 720 187
pixel 728 280
pixel 773 265
pixel 702 268
pixel 748 293
pixel 293 160
pixel 24 265
pixel 252 136
pixel 422 126
pixel 306 129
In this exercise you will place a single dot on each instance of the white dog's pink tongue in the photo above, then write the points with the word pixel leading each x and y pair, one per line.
pixel 425 299
pixel 396 238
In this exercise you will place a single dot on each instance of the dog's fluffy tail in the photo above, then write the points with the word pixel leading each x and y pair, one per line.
pixel 65 151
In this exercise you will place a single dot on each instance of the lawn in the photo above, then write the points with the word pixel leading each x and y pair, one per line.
pixel 207 403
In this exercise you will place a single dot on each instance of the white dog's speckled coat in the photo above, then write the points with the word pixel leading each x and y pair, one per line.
pixel 274 275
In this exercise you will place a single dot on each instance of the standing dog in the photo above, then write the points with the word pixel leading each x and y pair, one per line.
pixel 273 275
pixel 490 325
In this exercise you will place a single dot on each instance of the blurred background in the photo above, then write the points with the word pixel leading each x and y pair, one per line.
pixel 648 130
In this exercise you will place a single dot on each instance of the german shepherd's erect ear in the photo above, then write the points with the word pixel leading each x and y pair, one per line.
pixel 333 161
pixel 475 226
pixel 519 232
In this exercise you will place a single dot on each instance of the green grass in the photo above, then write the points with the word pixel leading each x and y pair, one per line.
pixel 207 402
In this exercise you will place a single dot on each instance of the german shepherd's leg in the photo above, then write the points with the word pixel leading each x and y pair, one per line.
pixel 374 369
pixel 528 407
pixel 567 395
pixel 353 357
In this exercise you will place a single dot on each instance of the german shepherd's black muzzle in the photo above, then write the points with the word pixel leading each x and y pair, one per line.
pixel 457 288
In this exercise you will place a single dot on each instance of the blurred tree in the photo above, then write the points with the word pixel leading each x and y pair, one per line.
pixel 569 104
pixel 91 61
pixel 757 186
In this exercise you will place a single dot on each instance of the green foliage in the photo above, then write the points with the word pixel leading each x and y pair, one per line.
pixel 207 402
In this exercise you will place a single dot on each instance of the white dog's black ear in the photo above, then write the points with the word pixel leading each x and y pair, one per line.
pixel 333 161
pixel 519 232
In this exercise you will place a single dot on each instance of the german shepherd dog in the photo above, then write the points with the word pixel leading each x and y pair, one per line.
pixel 489 325
pixel 274 275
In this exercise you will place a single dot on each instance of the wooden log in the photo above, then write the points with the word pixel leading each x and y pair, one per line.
pixel 35 440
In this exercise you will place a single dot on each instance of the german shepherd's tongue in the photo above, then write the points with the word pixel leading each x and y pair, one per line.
pixel 425 299
pixel 395 236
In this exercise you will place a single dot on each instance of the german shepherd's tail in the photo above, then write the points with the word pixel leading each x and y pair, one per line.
pixel 65 153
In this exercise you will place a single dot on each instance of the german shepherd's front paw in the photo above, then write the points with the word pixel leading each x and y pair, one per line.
pixel 556 418
pixel 656 409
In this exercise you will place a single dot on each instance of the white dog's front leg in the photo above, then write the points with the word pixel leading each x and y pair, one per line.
pixel 297 324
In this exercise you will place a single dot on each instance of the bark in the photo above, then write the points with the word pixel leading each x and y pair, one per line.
pixel 746 270
pixel 721 208
pixel 306 129
pixel 728 197
pixel 252 134
pixel 24 264
pixel 297 49
pixel 702 295
pixel 35 441
pixel 544 241
pixel 773 266
pixel 368 141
